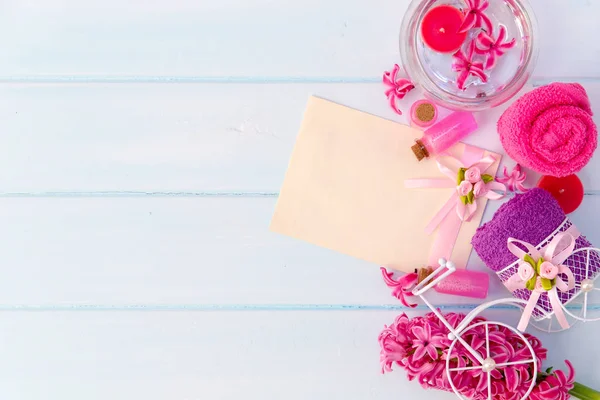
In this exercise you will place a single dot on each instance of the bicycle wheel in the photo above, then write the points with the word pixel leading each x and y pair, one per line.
pixel 549 324
pixel 584 306
pixel 485 366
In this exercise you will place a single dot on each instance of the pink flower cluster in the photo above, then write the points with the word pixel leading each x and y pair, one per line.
pixel 547 270
pixel 420 346
pixel 473 182
pixel 555 386
pixel 485 44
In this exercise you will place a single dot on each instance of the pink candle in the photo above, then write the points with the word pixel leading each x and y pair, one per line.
pixel 439 29
pixel 568 191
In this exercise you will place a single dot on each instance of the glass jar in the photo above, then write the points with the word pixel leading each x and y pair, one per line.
pixel 432 71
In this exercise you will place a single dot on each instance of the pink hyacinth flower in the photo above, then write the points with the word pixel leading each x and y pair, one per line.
pixel 397 87
pixel 401 287
pixel 555 386
pixel 475 16
pixel 466 66
pixel 493 48
pixel 425 343
pixel 391 350
pixel 420 346
pixel 514 181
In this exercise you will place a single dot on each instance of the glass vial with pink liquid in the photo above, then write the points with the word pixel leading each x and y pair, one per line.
pixel 461 283
pixel 444 134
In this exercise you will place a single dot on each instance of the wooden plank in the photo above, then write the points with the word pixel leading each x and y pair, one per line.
pixel 176 138
pixel 257 39
pixel 261 355
pixel 180 253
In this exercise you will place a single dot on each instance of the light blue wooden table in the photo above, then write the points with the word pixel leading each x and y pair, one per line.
pixel 143 144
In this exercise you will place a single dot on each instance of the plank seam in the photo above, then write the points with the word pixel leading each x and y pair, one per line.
pixel 248 307
pixel 166 79
pixel 130 193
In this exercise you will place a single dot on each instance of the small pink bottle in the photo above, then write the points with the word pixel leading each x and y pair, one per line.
pixel 444 134
pixel 461 283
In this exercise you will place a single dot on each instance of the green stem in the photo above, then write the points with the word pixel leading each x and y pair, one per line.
pixel 583 392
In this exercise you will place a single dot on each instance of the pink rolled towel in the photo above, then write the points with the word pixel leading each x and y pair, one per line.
pixel 550 129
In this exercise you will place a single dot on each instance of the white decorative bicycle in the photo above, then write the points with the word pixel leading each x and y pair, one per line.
pixel 487 364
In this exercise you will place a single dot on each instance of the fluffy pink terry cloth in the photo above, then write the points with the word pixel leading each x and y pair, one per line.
pixel 550 129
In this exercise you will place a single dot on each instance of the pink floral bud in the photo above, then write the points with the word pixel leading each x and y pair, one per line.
pixel 548 270
pixel 473 175
pixel 392 351
pixel 464 188
pixel 480 189
pixel 525 271
pixel 555 386
pixel 538 285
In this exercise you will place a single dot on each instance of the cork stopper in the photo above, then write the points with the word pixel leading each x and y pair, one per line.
pixel 425 112
pixel 423 273
pixel 419 150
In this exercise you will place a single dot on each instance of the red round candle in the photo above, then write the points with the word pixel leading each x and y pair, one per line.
pixel 568 191
pixel 439 29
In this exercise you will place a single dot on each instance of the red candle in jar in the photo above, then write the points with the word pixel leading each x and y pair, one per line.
pixel 568 191
pixel 439 29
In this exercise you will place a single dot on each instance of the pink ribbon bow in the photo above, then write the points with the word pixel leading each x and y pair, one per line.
pixel 549 265
pixel 472 185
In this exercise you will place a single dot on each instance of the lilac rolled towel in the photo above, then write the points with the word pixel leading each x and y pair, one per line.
pixel 534 217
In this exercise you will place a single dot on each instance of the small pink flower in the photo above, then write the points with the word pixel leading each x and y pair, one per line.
pixel 464 188
pixel 480 189
pixel 401 287
pixel 416 369
pixel 538 285
pixel 493 48
pixel 466 66
pixel 424 343
pixel 397 87
pixel 525 271
pixel 428 379
pixel 555 386
pixel 548 270
pixel 475 16
pixel 473 175
pixel 541 353
pixel 514 181
pixel 454 319
pixel 399 327
pixel 391 350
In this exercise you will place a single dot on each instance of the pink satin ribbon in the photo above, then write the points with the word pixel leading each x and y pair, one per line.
pixel 554 253
pixel 449 223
